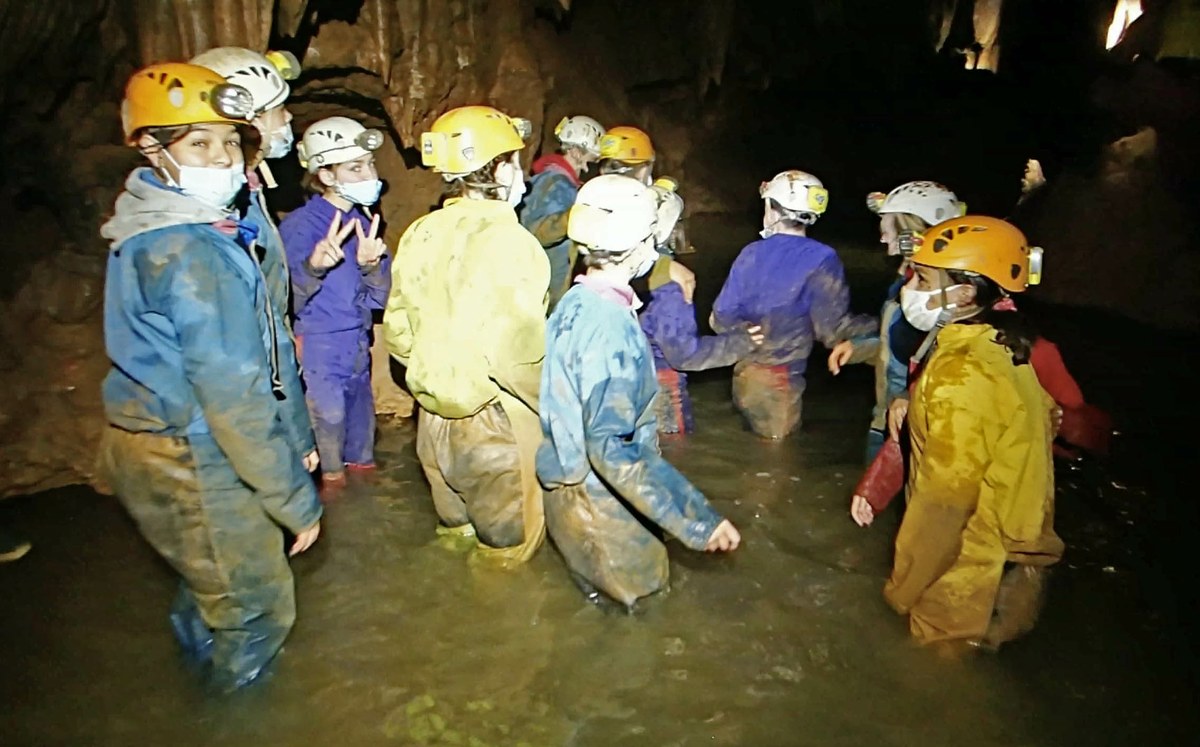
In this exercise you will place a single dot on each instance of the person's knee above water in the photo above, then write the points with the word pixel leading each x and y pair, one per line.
pixel 467 317
pixel 555 182
pixel 200 450
pixel 340 274
pixel 669 321
pixel 794 287
pixel 908 209
pixel 981 486
pixel 599 459
pixel 265 78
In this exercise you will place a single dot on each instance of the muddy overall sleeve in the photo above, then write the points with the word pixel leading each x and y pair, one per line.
pixel 378 281
pixel 225 363
pixel 635 470
pixel 830 305
pixel 300 237
pixel 671 323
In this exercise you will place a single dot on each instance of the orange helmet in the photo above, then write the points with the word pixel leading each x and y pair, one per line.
pixel 984 246
pixel 173 94
pixel 628 144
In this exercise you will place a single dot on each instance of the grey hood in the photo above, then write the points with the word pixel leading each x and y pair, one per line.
pixel 146 205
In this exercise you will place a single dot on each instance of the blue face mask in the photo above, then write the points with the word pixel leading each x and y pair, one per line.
pixel 365 192
pixel 280 143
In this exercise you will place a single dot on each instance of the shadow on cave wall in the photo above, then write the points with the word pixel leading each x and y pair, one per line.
pixel 855 91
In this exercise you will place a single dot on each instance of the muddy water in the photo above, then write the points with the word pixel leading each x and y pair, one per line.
pixel 786 642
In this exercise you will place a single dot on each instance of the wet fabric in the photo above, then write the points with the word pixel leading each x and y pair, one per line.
pixel 273 260
pixel 236 603
pixel 337 369
pixel 980 487
pixel 769 398
pixel 544 213
pixel 187 325
pixel 466 317
pixel 599 457
pixel 474 473
pixel 204 454
pixel 344 296
pixel 669 323
pixel 673 407
pixel 334 316
pixel 467 312
pixel 795 288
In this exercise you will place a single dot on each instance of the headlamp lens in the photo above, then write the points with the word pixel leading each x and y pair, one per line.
pixel 369 139
pixel 232 101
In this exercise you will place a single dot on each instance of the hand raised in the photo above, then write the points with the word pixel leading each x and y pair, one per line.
pixel 370 248
pixel 328 252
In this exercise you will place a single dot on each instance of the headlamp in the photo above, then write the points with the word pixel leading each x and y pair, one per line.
pixel 232 101
pixel 286 63
pixel 1035 265
pixel 875 201
pixel 369 139
pixel 908 243
pixel 523 126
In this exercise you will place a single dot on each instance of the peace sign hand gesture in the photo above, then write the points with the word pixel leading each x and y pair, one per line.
pixel 370 248
pixel 328 251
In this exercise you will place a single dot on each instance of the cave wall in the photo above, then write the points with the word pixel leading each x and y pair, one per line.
pixel 730 91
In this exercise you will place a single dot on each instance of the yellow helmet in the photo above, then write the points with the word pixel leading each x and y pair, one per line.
pixel 466 139
pixel 628 144
pixel 173 94
pixel 985 246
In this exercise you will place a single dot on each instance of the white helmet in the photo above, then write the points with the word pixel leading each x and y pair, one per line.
pixel 670 208
pixel 614 214
pixel 929 201
pixel 335 140
pixel 264 76
pixel 799 193
pixel 581 132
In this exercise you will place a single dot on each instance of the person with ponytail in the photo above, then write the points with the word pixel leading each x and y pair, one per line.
pixel 978 531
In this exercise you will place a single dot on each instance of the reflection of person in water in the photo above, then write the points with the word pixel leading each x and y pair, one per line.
pixel 599 458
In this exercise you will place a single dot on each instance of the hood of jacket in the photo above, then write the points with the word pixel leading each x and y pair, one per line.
pixel 148 205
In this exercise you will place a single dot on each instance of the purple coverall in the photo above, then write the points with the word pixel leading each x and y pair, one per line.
pixel 795 287
pixel 333 326
pixel 669 322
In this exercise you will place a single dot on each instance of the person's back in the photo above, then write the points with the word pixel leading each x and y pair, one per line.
pixel 779 283
pixel 469 296
pixel 467 318
pixel 556 180
pixel 599 458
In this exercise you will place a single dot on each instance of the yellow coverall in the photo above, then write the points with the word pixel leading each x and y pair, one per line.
pixel 980 493
pixel 467 318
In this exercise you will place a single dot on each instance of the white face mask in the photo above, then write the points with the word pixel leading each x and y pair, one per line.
pixel 280 143
pixel 365 192
pixel 915 305
pixel 516 188
pixel 215 187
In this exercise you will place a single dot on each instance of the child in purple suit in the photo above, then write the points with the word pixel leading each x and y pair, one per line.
pixel 669 321
pixel 340 273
